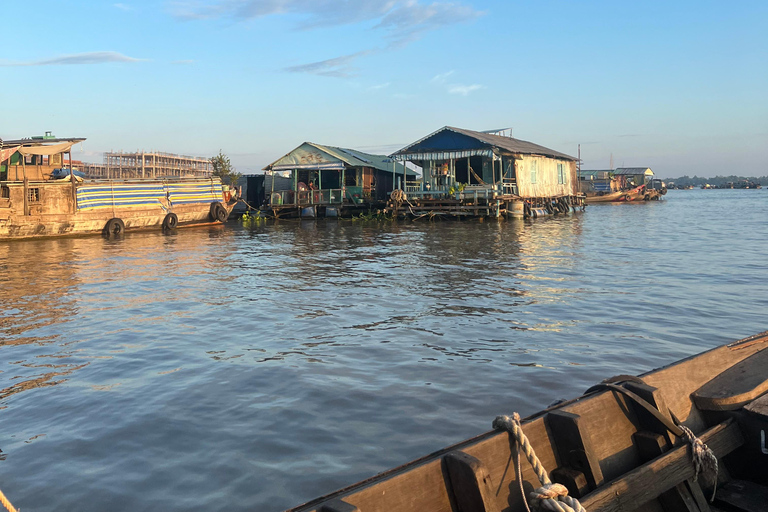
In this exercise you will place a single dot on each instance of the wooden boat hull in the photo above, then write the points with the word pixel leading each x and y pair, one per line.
pixel 62 210
pixel 608 451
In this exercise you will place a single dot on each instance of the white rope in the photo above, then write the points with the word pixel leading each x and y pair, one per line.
pixel 552 497
pixel 704 459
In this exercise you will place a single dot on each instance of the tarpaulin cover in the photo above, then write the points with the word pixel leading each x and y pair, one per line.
pixel 119 195
pixel 6 153
pixel 53 149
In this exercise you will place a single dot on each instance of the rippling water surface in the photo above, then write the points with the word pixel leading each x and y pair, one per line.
pixel 253 369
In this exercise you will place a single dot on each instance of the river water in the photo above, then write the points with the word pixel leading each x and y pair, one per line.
pixel 253 369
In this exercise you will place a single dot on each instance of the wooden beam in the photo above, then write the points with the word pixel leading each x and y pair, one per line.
pixel 574 448
pixel 743 495
pixel 686 495
pixel 647 482
pixel 473 490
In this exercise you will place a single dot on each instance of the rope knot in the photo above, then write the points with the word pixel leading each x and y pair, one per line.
pixel 704 459
pixel 550 496
pixel 549 492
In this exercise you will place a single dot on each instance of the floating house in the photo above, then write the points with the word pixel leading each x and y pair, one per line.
pixel 331 181
pixel 624 184
pixel 469 173
pixel 633 176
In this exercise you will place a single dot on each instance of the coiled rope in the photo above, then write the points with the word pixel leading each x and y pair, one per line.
pixel 398 196
pixel 549 496
pixel 6 503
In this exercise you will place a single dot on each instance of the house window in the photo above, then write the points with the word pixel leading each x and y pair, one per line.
pixel 5 192
pixel 533 171
pixel 561 174
pixel 33 195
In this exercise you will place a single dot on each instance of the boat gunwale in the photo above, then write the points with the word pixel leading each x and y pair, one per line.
pixel 748 345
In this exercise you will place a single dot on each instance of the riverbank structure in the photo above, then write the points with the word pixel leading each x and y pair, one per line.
pixel 470 173
pixel 319 180
pixel 153 164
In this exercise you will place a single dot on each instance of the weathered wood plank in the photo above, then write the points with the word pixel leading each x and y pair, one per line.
pixel 472 486
pixel 680 379
pixel 736 386
pixel 574 446
pixel 646 482
pixel 743 495
pixel 684 495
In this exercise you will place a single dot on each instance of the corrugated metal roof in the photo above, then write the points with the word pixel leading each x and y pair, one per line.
pixel 497 141
pixel 623 171
pixel 310 155
pixel 41 141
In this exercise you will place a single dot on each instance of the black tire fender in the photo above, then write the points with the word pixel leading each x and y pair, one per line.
pixel 170 221
pixel 218 212
pixel 114 227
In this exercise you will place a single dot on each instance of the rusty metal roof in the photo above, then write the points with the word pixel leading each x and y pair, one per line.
pixel 441 141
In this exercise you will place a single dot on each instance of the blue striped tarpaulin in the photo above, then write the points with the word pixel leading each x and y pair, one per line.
pixel 120 195
pixel 194 192
pixel 109 195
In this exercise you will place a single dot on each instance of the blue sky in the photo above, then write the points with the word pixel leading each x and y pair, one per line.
pixel 678 86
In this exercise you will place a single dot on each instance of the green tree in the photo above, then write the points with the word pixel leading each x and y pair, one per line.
pixel 222 168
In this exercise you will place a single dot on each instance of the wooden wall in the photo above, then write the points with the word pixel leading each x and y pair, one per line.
pixel 546 177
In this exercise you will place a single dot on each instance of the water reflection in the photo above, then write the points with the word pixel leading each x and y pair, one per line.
pixel 352 347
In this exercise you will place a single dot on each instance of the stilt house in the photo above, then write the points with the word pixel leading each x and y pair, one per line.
pixel 488 173
pixel 340 178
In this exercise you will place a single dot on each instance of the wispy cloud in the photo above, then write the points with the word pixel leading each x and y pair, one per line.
pixel 409 20
pixel 464 90
pixel 442 80
pixel 77 59
pixel 630 135
pixel 403 20
pixel 122 7
pixel 379 86
pixel 338 67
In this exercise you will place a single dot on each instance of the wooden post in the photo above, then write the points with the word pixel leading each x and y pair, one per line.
pixel 74 183
pixel 472 487
pixel 26 182
pixel 394 167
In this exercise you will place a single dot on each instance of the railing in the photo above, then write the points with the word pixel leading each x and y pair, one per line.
pixel 509 186
pixel 305 197
pixel 281 197
pixel 470 192
pixel 412 186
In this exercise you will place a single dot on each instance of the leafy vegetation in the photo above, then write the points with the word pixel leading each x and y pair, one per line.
pixel 456 187
pixel 377 215
pixel 717 181
pixel 222 168
pixel 251 221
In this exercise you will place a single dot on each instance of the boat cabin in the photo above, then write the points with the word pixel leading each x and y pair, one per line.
pixel 629 177
pixel 31 173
